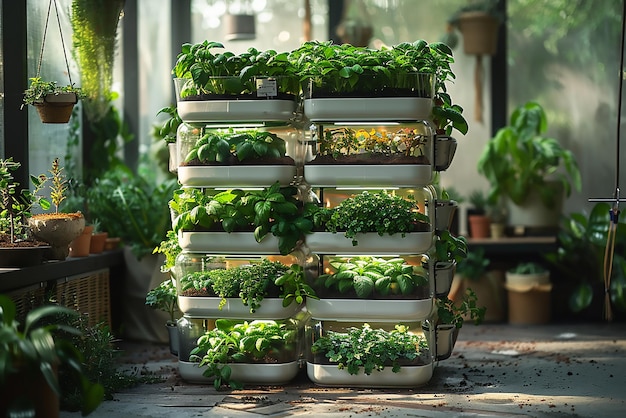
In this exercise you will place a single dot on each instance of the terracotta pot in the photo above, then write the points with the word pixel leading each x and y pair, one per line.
pixel 56 108
pixel 98 242
pixel 479 226
pixel 58 230
pixel 79 247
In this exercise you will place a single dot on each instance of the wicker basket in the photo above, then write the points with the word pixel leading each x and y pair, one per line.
pixel 27 299
pixel 88 294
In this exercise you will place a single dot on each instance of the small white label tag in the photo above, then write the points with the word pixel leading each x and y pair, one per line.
pixel 266 87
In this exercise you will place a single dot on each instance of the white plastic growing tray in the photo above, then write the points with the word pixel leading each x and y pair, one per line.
pixel 369 310
pixel 271 308
pixel 370 243
pixel 236 176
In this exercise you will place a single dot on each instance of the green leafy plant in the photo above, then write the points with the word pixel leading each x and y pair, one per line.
pixel 448 116
pixel 232 146
pixel 15 203
pixel 370 277
pixel 39 89
pixel 243 342
pixel 367 349
pixel 273 210
pixel 528 268
pixel 251 283
pixel 450 248
pixel 40 345
pixel 225 73
pixel 170 248
pixel 167 130
pixel 164 298
pixel 519 159
pixel 343 69
pixel 474 266
pixel 379 212
pixel 132 208
pixel 450 313
pixel 579 257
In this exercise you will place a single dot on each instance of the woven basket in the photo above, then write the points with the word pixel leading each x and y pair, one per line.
pixel 87 294
pixel 27 299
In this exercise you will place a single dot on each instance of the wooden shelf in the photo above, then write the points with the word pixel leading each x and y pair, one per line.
pixel 15 278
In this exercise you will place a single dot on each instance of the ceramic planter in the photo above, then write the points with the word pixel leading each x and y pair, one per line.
pixel 79 247
pixel 56 108
pixel 174 337
pixel 98 242
pixel 208 307
pixel 408 376
pixel 446 336
pixel 529 298
pixel 267 103
pixel 445 210
pixel 370 243
pixel 58 230
pixel 236 175
pixel 227 243
pixel 445 148
pixel 388 310
pixel 444 274
pixel 251 373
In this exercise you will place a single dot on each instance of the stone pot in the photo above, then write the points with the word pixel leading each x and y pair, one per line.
pixel 58 230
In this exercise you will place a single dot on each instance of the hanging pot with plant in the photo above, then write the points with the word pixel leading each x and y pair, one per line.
pixel 53 103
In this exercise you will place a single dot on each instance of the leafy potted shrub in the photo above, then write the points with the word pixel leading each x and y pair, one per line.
pixel 398 81
pixel 265 221
pixel 164 298
pixel 375 287
pixel 18 247
pixel 237 352
pixel 398 154
pixel 254 85
pixel 370 223
pixel 368 356
pixel 244 156
pixel 579 266
pixel 53 103
pixel 238 288
pixel 31 356
pixel 58 228
pixel 449 250
pixel 450 318
pixel 533 172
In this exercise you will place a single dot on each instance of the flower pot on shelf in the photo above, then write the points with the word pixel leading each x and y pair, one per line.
pixel 98 242
pixel 79 247
pixel 58 230
pixel 479 226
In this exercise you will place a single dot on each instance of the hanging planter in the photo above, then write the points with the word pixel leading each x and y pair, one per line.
pixel 53 103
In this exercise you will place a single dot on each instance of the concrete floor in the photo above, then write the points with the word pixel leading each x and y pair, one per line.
pixel 556 370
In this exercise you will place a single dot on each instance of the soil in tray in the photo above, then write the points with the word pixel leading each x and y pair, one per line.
pixel 368 159
pixel 233 161
pixel 250 96
pixel 5 241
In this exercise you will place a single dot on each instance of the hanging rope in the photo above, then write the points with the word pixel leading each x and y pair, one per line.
pixel 43 42
pixel 478 89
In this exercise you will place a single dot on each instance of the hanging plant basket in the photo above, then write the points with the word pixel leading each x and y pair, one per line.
pixel 56 108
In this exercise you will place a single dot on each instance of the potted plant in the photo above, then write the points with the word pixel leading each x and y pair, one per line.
pixel 478 219
pixel 246 156
pixel 53 103
pixel 237 352
pixel 534 173
pixel 31 356
pixel 370 223
pixel 369 356
pixel 449 251
pixel 164 298
pixel 237 288
pixel 478 21
pixel 579 264
pixel 58 228
pixel 254 85
pixel 98 238
pixel 398 81
pixel 19 248
pixel 450 318
pixel 379 288
pixel 167 133
pixel 473 272
pixel 398 154
pixel 528 287
pixel 271 220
